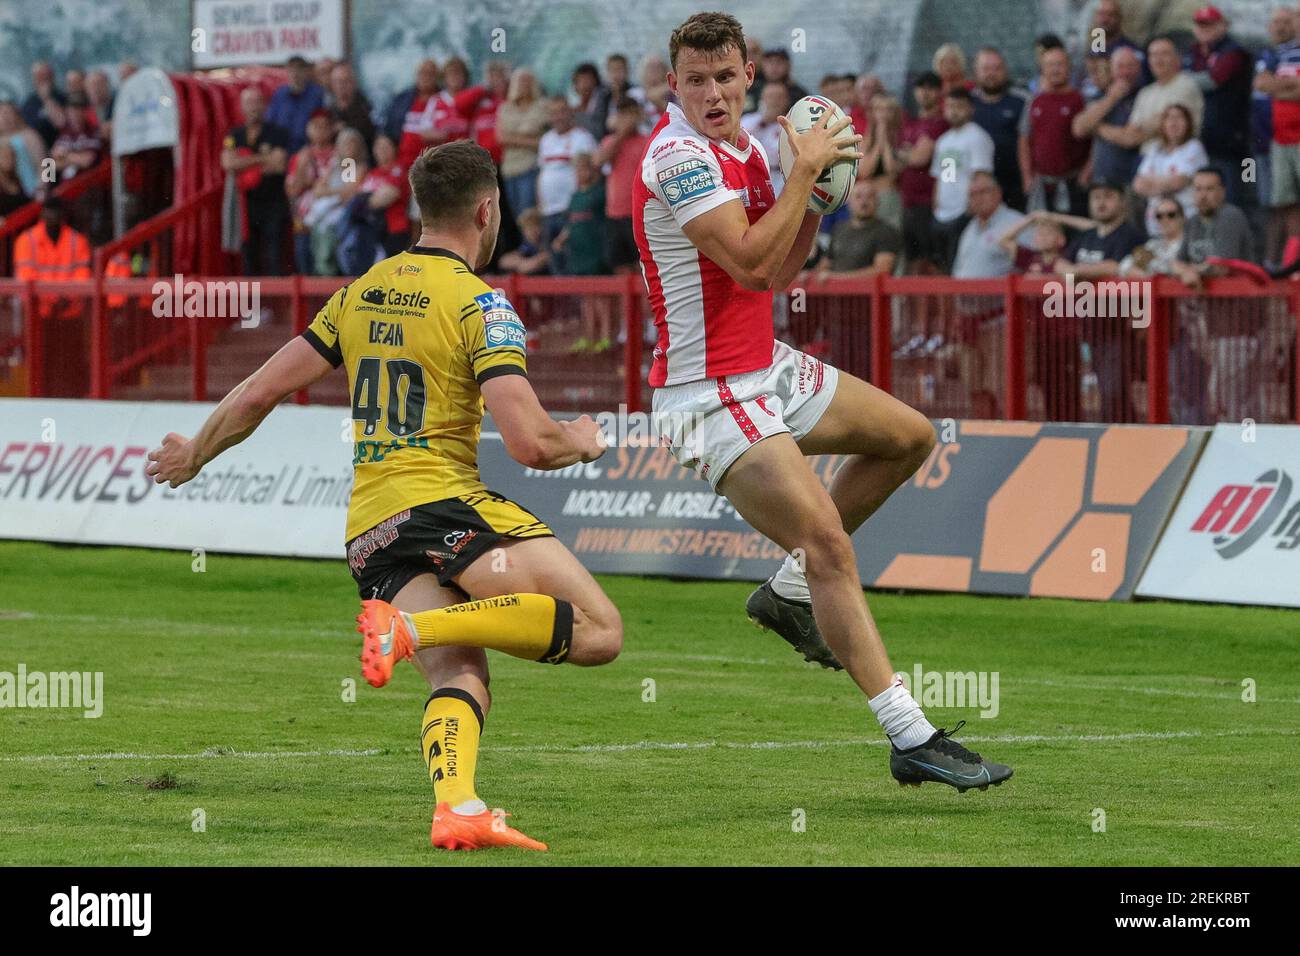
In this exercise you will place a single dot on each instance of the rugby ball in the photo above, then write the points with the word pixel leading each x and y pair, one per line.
pixel 831 191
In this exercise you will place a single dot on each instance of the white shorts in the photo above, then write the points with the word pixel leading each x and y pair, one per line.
pixel 710 423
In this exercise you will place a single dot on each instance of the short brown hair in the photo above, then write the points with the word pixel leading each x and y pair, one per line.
pixel 449 180
pixel 709 33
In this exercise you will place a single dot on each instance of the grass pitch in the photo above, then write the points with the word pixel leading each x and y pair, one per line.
pixel 224 693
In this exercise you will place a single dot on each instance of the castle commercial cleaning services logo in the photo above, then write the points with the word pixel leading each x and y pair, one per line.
pixel 1239 515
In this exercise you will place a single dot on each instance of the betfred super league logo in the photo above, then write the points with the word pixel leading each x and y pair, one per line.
pixel 1239 515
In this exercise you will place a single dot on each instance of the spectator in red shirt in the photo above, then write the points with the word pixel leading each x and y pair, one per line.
pixel 479 105
pixel 449 122
pixel 916 150
pixel 387 187
pixel 416 130
pixel 307 167
pixel 1051 156
pixel 620 154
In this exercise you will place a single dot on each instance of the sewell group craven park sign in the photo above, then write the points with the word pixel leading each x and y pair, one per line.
pixel 1235 535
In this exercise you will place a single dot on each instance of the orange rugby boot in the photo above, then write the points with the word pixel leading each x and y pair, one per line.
pixel 385 641
pixel 455 831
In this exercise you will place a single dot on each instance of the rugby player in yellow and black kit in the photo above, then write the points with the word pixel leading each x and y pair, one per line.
pixel 445 567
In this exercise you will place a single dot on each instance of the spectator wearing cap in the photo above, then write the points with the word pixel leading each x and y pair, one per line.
pixel 916 151
pixel 590 99
pixel 349 107
pixel 1275 125
pixel 1222 69
pixel 1123 75
pixel 43 108
pixel 79 145
pixel 998 111
pixel 256 155
pixel 776 69
pixel 293 103
pixel 1097 254
pixel 1169 84
pixel 961 151
pixel 1052 157
pixel 1219 229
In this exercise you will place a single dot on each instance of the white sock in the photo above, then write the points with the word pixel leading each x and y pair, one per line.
pixel 791 583
pixel 901 718
pixel 470 808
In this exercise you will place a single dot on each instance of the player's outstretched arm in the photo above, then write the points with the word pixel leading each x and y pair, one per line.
pixel 296 365
pixel 756 254
pixel 531 436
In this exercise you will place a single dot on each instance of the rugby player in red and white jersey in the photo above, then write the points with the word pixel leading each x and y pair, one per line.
pixel 742 409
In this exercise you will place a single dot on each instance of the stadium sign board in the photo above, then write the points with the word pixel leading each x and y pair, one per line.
pixel 74 471
pixel 265 32
pixel 1235 535
pixel 999 507
pixel 1018 508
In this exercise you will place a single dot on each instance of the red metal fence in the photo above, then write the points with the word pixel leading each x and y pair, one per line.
pixel 1014 348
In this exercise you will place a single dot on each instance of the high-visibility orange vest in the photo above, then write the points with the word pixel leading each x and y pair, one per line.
pixel 37 257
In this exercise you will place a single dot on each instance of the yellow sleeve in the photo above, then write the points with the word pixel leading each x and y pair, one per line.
pixel 493 333
pixel 323 333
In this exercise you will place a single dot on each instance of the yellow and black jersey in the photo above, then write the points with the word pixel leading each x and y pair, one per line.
pixel 418 334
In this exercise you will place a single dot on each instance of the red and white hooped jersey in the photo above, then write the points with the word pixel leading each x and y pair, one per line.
pixel 708 324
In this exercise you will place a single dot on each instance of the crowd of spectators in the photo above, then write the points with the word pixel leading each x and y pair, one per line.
pixel 54 133
pixel 320 170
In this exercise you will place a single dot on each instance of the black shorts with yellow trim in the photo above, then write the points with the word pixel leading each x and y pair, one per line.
pixel 441 538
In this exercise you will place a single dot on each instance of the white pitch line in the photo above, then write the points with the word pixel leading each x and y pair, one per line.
pixel 663 745
pixel 1158 691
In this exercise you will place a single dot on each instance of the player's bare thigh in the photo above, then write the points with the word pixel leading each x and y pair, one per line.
pixel 463 667
pixel 545 566
pixel 775 490
pixel 863 420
